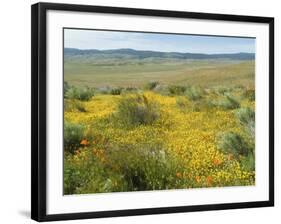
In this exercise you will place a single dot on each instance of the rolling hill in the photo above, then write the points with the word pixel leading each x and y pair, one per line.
pixel 128 53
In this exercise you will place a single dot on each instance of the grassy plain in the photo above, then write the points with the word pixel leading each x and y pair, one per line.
pixel 207 73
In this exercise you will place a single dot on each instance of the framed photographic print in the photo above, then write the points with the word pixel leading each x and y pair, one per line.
pixel 139 111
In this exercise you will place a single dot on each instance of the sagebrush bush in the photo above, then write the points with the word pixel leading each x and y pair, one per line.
pixel 248 162
pixel 162 89
pixel 194 106
pixel 249 94
pixel 202 105
pixel 194 93
pixel 239 86
pixel 137 110
pixel 104 90
pixel 73 135
pixel 176 90
pixel 131 89
pixel 182 103
pixel 229 103
pixel 66 87
pixel 151 85
pixel 231 142
pixel 116 91
pixel 222 90
pixel 73 176
pixel 74 105
pixel 85 173
pixel 83 94
pixel 246 117
pixel 146 167
pixel 80 107
pixel 123 168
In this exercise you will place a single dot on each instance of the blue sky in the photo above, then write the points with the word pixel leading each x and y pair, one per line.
pixel 93 39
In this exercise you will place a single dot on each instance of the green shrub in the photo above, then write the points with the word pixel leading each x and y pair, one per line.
pixel 162 89
pixel 137 110
pixel 202 105
pixel 73 105
pixel 194 93
pixel 194 106
pixel 248 162
pixel 124 168
pixel 222 90
pixel 66 87
pixel 90 175
pixel 182 103
pixel 116 91
pixel 151 85
pixel 80 107
pixel 234 143
pixel 83 94
pixel 229 103
pixel 104 90
pixel 239 86
pixel 249 94
pixel 68 105
pixel 176 90
pixel 103 183
pixel 246 117
pixel 73 175
pixel 131 89
pixel 147 167
pixel 73 135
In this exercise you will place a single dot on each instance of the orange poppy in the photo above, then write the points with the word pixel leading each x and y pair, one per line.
pixel 178 174
pixel 217 162
pixel 209 180
pixel 84 142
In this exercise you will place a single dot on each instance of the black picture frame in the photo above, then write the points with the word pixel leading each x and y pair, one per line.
pixel 40 122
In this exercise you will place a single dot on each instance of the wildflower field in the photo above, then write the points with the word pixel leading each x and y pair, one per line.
pixel 158 135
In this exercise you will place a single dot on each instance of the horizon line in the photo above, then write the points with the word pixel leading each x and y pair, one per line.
pixel 82 49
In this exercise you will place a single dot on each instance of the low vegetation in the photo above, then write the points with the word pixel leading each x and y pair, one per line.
pixel 137 110
pixel 234 144
pixel 151 85
pixel 82 93
pixel 194 93
pixel 116 91
pixel 193 126
pixel 249 94
pixel 74 105
pixel 73 135
pixel 147 140
pixel 246 116
pixel 176 90
pixel 228 103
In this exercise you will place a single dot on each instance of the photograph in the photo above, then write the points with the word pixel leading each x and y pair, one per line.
pixel 157 111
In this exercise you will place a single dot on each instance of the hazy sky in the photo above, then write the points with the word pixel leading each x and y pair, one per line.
pixel 92 39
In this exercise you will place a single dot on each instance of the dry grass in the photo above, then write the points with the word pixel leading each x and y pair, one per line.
pixel 206 73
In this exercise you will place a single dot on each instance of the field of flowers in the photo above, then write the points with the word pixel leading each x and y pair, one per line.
pixel 158 138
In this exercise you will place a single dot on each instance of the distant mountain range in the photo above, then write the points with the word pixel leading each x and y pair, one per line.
pixel 127 53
